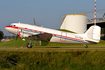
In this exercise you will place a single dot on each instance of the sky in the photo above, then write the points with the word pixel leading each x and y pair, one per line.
pixel 47 13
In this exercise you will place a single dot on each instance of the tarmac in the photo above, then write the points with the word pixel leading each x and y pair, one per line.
pixel 52 48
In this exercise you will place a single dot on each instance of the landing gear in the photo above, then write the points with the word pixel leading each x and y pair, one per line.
pixel 29 45
pixel 85 46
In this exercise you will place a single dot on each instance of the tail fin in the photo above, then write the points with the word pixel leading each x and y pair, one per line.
pixel 93 33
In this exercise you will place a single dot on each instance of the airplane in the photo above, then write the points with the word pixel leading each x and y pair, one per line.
pixel 32 32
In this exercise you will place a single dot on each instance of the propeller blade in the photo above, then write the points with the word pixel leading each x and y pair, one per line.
pixel 34 22
pixel 17 36
pixel 38 25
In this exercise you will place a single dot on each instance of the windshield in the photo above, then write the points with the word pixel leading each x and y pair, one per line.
pixel 12 25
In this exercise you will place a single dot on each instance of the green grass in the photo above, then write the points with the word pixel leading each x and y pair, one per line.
pixel 20 43
pixel 51 59
pixel 17 43
pixel 72 60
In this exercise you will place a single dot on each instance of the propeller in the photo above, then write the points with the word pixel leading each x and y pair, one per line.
pixel 35 22
pixel 18 34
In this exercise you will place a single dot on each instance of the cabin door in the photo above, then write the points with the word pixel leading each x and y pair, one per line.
pixel 63 36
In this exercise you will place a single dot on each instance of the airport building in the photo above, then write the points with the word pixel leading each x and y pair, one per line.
pixel 75 22
pixel 100 22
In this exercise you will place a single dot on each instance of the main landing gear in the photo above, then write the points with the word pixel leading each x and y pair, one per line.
pixel 29 45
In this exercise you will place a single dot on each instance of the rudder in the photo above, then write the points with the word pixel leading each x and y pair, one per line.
pixel 93 32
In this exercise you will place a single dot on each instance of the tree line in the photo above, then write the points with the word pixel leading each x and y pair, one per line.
pixel 1 35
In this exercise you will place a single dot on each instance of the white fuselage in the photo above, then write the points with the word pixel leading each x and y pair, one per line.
pixel 25 30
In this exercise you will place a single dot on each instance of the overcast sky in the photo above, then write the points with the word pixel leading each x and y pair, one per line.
pixel 47 13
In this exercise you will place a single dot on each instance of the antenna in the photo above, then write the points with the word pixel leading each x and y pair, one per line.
pixel 34 22
pixel 95 14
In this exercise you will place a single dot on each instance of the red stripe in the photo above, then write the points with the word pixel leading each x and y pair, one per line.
pixel 11 27
pixel 52 33
pixel 75 38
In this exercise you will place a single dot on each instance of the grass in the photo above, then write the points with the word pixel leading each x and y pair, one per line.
pixel 17 43
pixel 51 59
pixel 71 60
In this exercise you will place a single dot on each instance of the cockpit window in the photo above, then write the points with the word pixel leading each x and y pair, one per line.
pixel 13 25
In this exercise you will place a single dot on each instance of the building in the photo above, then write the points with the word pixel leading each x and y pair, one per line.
pixel 75 22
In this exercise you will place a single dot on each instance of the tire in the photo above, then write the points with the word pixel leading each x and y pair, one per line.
pixel 29 45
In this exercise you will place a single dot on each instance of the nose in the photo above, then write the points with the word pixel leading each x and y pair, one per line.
pixel 9 29
pixel 6 28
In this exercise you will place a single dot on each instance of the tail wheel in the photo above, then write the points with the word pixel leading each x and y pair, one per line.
pixel 29 45
pixel 86 46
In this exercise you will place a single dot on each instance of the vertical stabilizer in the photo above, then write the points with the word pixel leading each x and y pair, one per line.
pixel 93 33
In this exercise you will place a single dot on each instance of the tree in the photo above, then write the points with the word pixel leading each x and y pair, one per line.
pixel 1 35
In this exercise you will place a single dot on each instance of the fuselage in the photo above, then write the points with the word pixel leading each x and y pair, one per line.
pixel 25 30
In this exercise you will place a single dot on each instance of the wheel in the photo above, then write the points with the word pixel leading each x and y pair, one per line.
pixel 29 45
pixel 86 46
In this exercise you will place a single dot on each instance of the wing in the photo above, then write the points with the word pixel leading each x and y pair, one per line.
pixel 42 37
